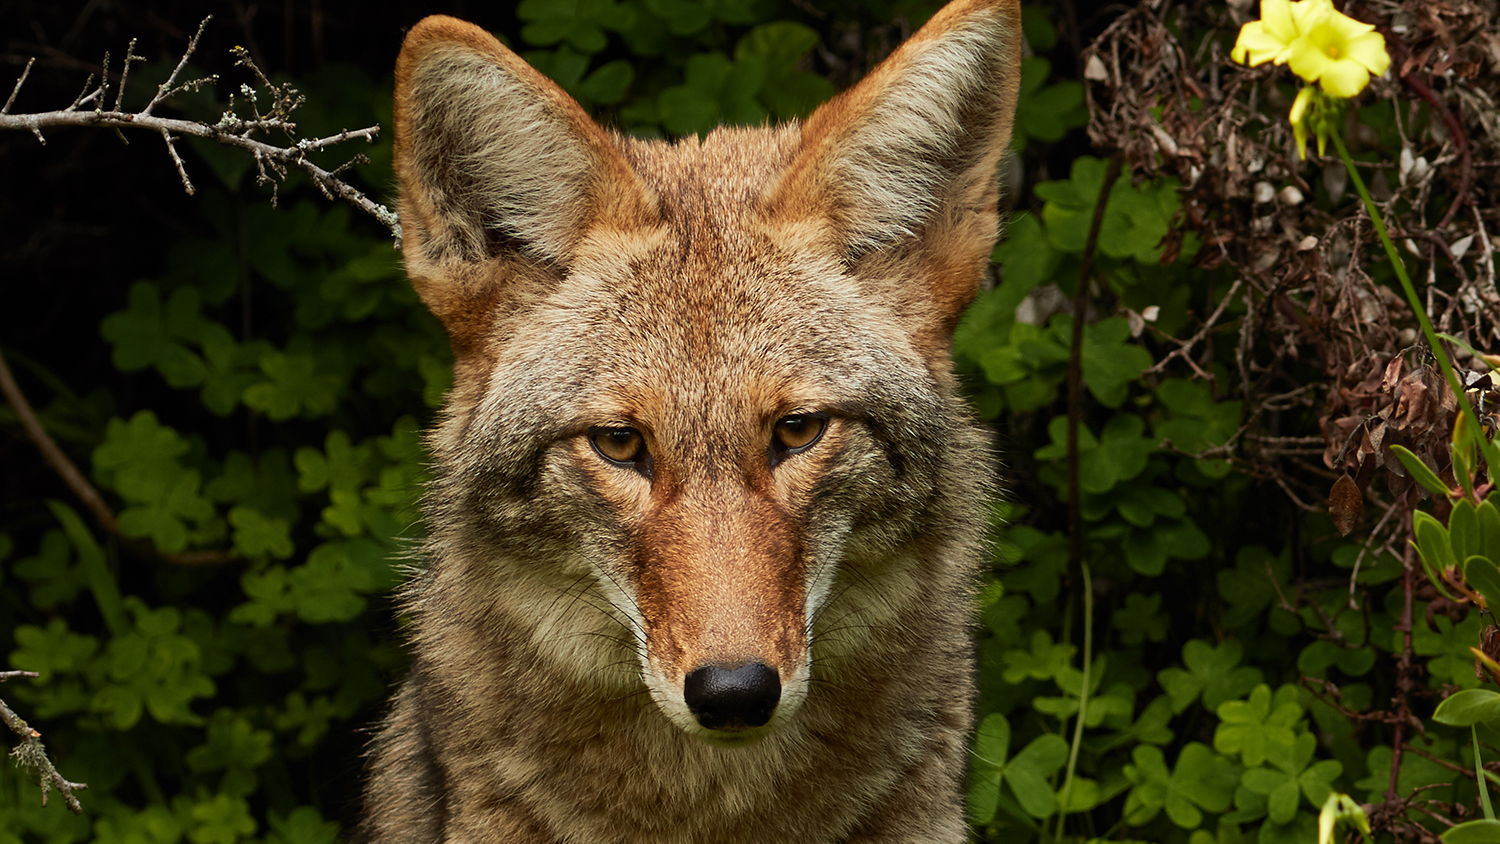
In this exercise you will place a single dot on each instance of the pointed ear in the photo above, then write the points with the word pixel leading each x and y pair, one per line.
pixel 907 160
pixel 497 165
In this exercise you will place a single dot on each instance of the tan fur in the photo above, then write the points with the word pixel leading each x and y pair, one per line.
pixel 697 294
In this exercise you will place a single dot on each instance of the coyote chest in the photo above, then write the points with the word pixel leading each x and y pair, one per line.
pixel 707 506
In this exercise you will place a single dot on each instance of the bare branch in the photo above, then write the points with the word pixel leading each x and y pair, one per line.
pixel 33 754
pixel 272 161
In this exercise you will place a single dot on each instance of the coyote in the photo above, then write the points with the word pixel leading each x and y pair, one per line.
pixel 707 505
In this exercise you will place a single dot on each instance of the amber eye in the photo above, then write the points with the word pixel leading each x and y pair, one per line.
pixel 796 433
pixel 622 447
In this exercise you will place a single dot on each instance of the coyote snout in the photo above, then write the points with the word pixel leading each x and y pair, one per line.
pixel 708 505
pixel 724 606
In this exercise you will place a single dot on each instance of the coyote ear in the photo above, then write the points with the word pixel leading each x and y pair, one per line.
pixel 910 155
pixel 494 161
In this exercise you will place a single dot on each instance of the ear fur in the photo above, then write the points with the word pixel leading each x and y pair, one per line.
pixel 495 162
pixel 908 158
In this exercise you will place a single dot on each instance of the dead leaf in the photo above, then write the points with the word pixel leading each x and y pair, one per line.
pixel 1346 504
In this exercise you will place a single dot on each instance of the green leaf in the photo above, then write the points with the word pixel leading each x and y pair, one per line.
pixel 1448 646
pixel 304 825
pixel 140 459
pixel 1251 586
pixel 1489 528
pixel 787 91
pixel 295 387
pixel 1481 575
pixel 1137 219
pixel 1473 832
pixel 1027 773
pixel 1419 471
pixel 1434 548
pixel 1069 210
pixel 1031 769
pixel 146 334
pixel 1469 707
pixel 232 743
pixel 1211 672
pixel 608 84
pixel 221 819
pixel 1202 780
pixel 1250 727
pixel 101 580
pixel 1110 361
pixel 683 17
pixel 1197 422
pixel 991 749
pixel 1141 619
pixel 258 536
pixel 1481 776
pixel 52 650
pixel 1046 112
pixel 1463 530
pixel 1044 661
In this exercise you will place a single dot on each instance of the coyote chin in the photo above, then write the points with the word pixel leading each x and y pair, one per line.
pixel 708 506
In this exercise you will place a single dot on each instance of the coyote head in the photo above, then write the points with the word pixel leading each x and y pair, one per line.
pixel 702 421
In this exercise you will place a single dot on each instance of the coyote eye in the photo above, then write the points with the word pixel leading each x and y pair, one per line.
pixel 622 447
pixel 795 434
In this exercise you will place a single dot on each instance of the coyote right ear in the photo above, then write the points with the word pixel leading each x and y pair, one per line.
pixel 903 166
pixel 495 161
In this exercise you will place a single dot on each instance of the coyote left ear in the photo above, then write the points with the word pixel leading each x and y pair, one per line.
pixel 903 166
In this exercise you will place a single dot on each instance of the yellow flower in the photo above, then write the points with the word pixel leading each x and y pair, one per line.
pixel 1270 38
pixel 1336 51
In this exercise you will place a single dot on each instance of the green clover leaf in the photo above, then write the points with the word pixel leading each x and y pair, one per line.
pixel 1210 672
pixel 1141 618
pixel 1044 661
pixel 1202 780
pixel 1251 727
pixel 221 819
pixel 1027 773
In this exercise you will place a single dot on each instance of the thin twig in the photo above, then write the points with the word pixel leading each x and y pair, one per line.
pixel 52 454
pixel 130 56
pixel 187 184
pixel 167 88
pixel 33 754
pixel 16 90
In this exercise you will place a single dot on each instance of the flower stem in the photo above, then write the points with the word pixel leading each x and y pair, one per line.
pixel 1492 457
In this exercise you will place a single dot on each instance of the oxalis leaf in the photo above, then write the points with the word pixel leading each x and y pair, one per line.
pixel 1027 772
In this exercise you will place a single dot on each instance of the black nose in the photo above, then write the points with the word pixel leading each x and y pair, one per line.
pixel 730 698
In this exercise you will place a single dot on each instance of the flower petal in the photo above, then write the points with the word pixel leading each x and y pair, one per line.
pixel 1299 131
pixel 1256 46
pixel 1349 27
pixel 1344 78
pixel 1276 16
pixel 1369 50
pixel 1309 13
pixel 1306 60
